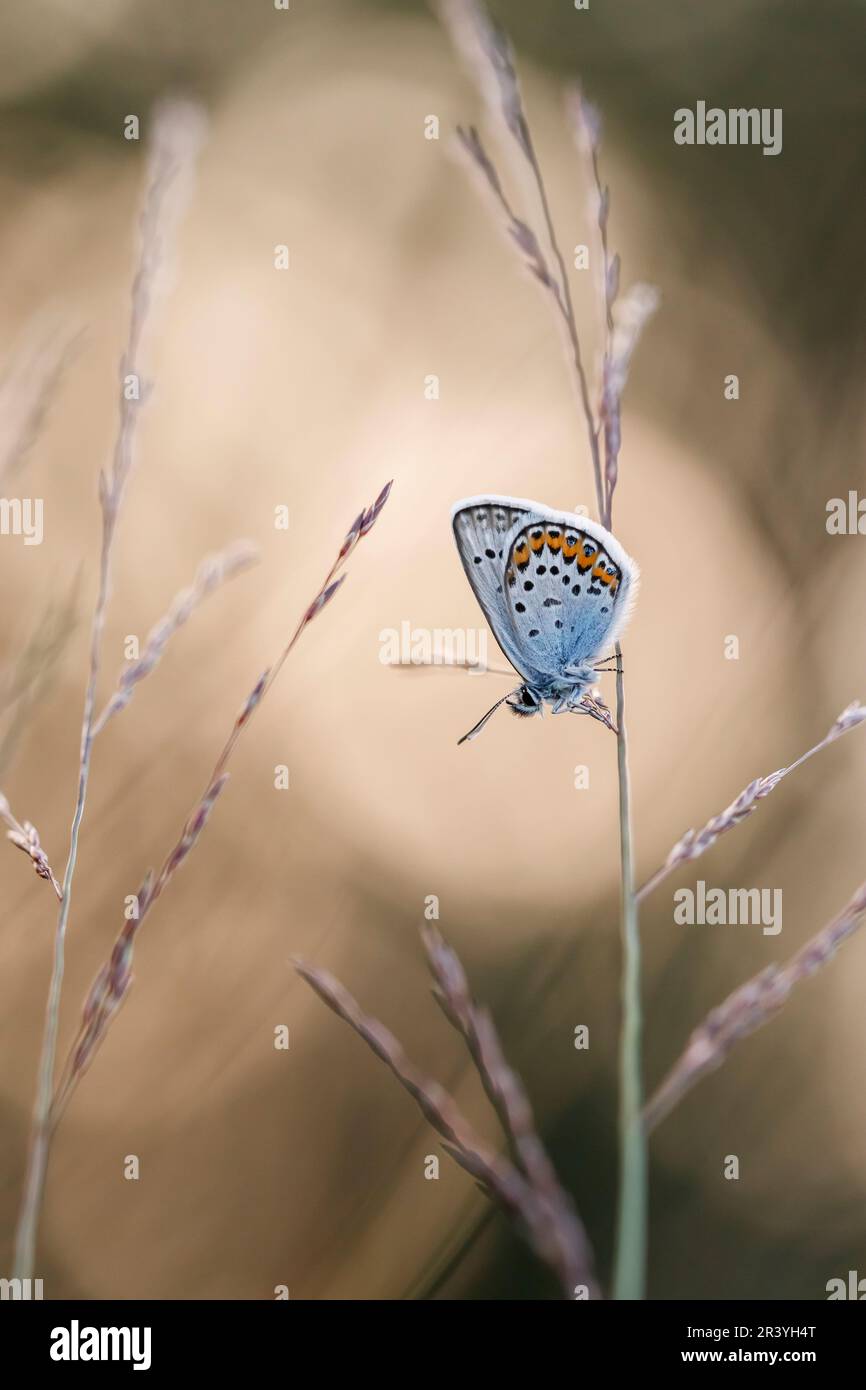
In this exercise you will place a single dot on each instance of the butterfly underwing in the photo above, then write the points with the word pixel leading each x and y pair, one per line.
pixel 557 590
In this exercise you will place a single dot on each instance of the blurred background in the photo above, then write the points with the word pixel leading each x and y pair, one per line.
pixel 306 389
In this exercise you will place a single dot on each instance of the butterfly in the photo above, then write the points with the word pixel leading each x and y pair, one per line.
pixel 557 590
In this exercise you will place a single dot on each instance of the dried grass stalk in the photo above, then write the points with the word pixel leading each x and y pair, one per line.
pixel 623 320
pixel 177 131
pixel 26 837
pixel 525 1186
pixel 749 1008
pixel 114 979
pixel 696 842
pixel 214 571
pixel 489 55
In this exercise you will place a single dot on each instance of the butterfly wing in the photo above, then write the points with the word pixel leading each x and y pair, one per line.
pixel 483 527
pixel 569 589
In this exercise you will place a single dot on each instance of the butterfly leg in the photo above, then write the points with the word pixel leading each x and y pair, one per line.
pixel 584 675
pixel 574 700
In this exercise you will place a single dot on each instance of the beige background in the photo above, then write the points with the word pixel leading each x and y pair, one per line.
pixel 305 1168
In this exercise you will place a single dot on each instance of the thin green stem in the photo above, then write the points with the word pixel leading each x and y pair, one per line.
pixel 631 1233
pixel 40 1144
pixel 176 129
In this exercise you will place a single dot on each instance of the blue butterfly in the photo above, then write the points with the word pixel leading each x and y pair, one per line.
pixel 557 590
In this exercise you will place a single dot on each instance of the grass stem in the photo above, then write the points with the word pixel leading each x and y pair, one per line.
pixel 631 1231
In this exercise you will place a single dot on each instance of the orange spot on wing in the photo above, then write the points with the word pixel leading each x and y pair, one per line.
pixel 601 573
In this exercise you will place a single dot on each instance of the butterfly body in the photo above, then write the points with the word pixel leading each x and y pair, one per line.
pixel 556 588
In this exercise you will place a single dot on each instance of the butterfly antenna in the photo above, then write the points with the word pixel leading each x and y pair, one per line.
pixel 476 729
